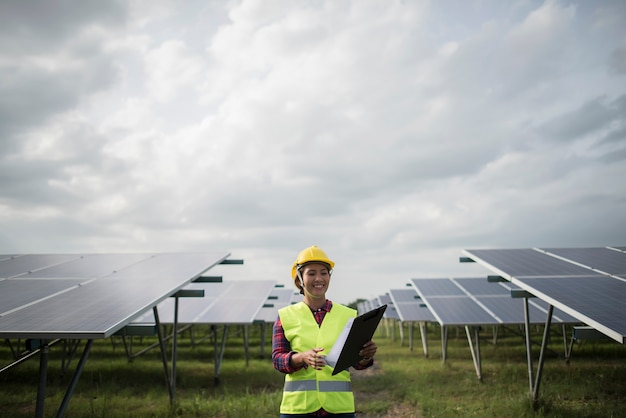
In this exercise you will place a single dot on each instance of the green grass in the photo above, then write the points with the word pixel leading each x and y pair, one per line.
pixel 404 383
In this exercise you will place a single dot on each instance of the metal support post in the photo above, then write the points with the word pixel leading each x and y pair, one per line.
pixel 546 337
pixel 79 369
pixel 529 354
pixel 43 377
pixel 163 352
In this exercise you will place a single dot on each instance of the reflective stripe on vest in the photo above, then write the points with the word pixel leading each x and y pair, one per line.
pixel 324 386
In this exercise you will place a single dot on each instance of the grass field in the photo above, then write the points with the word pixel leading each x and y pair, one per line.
pixel 403 383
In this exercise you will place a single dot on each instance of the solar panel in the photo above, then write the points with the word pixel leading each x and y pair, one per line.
pixel 480 286
pixel 407 294
pixel 560 278
pixel 475 301
pixel 511 311
pixel 409 306
pixel 236 302
pixel 279 298
pixel 603 259
pixel 596 301
pixel 526 263
pixel 101 307
pixel 459 311
pixel 88 265
pixel 15 294
pixel 437 287
pixel 23 264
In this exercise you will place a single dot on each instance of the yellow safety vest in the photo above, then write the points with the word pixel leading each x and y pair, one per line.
pixel 307 390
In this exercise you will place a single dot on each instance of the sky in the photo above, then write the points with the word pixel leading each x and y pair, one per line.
pixel 392 134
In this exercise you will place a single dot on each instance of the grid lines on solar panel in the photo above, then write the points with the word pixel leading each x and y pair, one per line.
pixel 409 306
pixel 528 263
pixel 100 307
pixel 600 299
pixel 435 287
pixel 15 294
pixel 480 286
pixel 89 265
pixel 404 295
pixel 23 264
pixel 460 311
pixel 603 259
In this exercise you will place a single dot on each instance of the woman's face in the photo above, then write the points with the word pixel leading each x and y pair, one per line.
pixel 316 279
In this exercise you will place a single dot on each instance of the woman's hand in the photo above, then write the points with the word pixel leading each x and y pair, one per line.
pixel 310 358
pixel 368 351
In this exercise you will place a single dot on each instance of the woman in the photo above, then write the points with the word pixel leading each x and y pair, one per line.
pixel 303 334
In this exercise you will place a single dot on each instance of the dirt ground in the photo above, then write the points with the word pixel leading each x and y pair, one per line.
pixel 396 411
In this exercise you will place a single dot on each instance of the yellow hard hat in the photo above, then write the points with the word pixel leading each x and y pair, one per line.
pixel 309 255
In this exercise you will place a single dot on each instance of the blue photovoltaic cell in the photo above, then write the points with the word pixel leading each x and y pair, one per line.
pixel 603 259
pixel 480 286
pixel 511 311
pixel 404 295
pixel 391 312
pixel 434 287
pixel 475 301
pixel 409 306
pixel 414 312
pixel 384 299
pixel 16 293
pixel 597 301
pixel 528 263
pixel 459 311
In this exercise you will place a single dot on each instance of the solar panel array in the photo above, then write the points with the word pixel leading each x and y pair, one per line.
pixel 587 283
pixel 475 301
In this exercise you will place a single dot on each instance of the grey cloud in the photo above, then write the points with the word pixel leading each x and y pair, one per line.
pixel 617 59
pixel 28 26
pixel 34 34
pixel 594 116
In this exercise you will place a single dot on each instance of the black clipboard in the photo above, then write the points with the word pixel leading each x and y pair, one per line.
pixel 361 331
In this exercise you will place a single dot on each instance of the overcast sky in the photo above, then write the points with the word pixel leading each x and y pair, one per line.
pixel 392 134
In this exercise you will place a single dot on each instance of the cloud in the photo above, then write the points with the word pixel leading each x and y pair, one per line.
pixel 391 134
